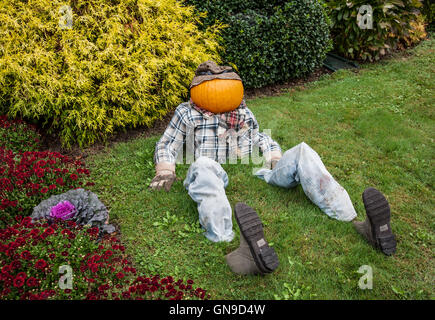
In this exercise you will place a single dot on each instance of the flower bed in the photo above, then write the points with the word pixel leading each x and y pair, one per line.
pixel 28 178
pixel 32 253
pixel 18 136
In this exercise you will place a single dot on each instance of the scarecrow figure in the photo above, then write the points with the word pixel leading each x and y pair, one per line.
pixel 219 125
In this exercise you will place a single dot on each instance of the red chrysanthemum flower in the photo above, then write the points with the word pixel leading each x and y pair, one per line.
pixel 16 264
pixel 39 173
pixel 49 231
pixel 40 264
pixel 93 230
pixel 18 282
pixel 93 267
pixel 26 255
pixel 107 254
pixel 22 275
pixel 91 296
pixel 32 282
pixel 6 269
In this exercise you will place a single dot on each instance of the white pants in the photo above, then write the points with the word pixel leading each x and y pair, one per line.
pixel 206 181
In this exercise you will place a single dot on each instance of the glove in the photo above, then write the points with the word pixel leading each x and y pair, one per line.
pixel 163 179
pixel 271 164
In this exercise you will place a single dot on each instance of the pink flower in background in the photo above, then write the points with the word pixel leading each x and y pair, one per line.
pixel 63 210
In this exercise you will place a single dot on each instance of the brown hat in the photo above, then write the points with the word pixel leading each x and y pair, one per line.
pixel 209 70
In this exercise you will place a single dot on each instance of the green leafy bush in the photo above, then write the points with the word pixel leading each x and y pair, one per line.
pixel 117 64
pixel 269 41
pixel 393 20
pixel 18 136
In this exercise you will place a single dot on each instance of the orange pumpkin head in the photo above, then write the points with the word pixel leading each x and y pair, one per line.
pixel 218 95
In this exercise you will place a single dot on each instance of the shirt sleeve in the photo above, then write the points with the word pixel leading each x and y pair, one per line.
pixel 172 140
pixel 269 147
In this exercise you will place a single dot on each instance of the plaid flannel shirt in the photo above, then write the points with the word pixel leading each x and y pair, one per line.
pixel 209 137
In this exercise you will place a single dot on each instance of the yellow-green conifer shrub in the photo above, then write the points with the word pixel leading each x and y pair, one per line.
pixel 114 64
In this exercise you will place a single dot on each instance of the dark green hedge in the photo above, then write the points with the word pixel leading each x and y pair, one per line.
pixel 269 41
pixel 428 11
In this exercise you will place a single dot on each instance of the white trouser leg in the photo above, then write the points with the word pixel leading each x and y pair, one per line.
pixel 205 182
pixel 301 164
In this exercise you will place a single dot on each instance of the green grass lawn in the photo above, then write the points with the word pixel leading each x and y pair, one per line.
pixel 371 128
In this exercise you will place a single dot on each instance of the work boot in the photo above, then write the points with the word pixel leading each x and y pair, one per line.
pixel 364 228
pixel 241 260
pixel 253 245
pixel 376 229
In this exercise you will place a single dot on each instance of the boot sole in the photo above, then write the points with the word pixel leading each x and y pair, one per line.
pixel 252 229
pixel 378 212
